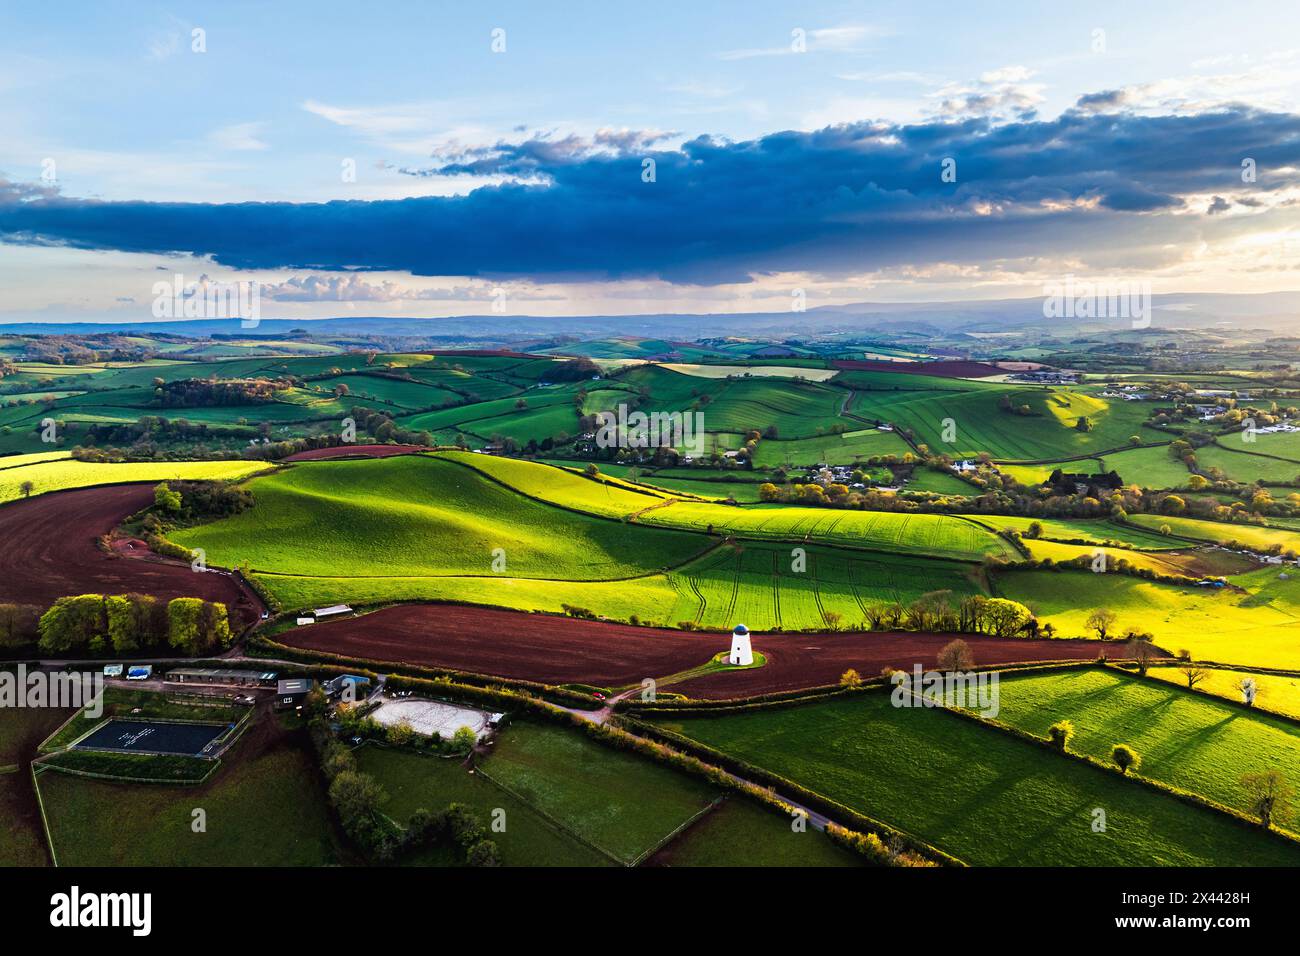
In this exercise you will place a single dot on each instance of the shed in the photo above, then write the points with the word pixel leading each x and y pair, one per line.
pixel 290 693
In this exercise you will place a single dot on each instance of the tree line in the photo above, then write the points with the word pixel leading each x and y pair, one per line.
pixel 125 623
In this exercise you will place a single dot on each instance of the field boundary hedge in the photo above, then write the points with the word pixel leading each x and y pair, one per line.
pixel 49 763
pixel 1169 790
pixel 549 818
pixel 314 663
pixel 731 768
pixel 45 820
pixel 786 698
pixel 1216 698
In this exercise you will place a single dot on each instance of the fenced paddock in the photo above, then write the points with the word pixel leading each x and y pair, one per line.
pixel 429 717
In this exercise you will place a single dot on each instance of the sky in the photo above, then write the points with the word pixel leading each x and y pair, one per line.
pixel 433 159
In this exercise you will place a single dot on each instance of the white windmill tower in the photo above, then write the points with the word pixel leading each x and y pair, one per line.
pixel 741 651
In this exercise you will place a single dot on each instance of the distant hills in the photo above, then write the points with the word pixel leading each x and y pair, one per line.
pixel 1273 310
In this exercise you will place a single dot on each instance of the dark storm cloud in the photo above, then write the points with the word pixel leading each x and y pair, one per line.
pixel 837 200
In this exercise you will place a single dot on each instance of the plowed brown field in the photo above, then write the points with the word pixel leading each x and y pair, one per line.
pixel 49 550
pixel 556 650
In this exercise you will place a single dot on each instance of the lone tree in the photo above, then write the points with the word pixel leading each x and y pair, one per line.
pixel 956 656
pixel 850 678
pixel 1060 733
pixel 1125 757
pixel 27 487
pixel 1249 690
pixel 1101 621
pixel 1193 674
pixel 1142 651
pixel 1268 793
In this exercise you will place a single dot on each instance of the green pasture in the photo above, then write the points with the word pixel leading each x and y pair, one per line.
pixel 263 808
pixel 1190 741
pixel 979 793
pixel 621 803
pixel 60 475
pixel 421 516
pixel 414 781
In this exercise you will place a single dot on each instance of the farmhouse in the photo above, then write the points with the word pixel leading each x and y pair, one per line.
pixel 1068 483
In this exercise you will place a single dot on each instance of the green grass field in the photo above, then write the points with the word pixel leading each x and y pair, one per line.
pixel 842 449
pixel 60 475
pixel 22 840
pixel 741 833
pixel 922 534
pixel 1274 692
pixel 757 583
pixel 925 404
pixel 265 807
pixel 939 482
pixel 23 728
pixel 1254 628
pixel 413 781
pixel 1242 462
pixel 1219 532
pixel 979 793
pixel 1189 741
pixel 1147 467
pixel 417 516
pixel 619 802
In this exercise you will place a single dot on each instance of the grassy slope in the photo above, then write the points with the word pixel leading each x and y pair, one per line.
pixel 263 809
pixel 979 793
pixel 413 781
pixel 1187 740
pixel 1148 467
pixel 615 800
pixel 61 475
pixel 1253 536
pixel 415 516
pixel 21 840
pixel 1258 628
pixel 938 535
pixel 741 833
pixel 840 449
pixel 1273 692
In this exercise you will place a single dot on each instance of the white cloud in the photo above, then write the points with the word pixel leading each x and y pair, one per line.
pixel 239 136
pixel 841 39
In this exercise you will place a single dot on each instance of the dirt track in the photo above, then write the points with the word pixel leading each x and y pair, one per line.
pixel 561 650
pixel 49 550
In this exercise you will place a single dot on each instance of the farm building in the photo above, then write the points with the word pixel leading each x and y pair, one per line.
pixel 331 611
pixel 1067 483
pixel 216 675
pixel 339 686
pixel 290 693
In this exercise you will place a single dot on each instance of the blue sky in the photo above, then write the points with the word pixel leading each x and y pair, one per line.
pixel 1089 141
